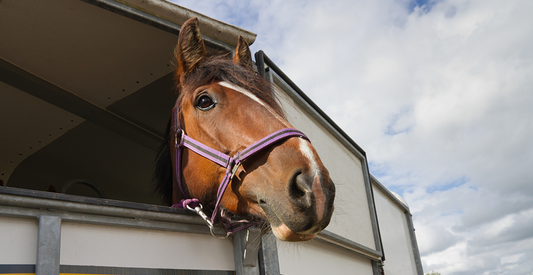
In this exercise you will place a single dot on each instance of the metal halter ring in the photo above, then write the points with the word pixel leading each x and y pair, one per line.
pixel 200 212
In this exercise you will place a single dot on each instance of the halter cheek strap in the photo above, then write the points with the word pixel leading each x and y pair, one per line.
pixel 181 141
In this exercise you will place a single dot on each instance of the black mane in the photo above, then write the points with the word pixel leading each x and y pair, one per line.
pixel 162 179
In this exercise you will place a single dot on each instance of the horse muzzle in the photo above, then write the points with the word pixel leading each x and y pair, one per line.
pixel 306 208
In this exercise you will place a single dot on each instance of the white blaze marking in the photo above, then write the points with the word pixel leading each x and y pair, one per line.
pixel 308 153
pixel 255 98
pixel 241 90
pixel 316 188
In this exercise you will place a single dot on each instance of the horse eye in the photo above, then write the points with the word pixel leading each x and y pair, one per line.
pixel 205 103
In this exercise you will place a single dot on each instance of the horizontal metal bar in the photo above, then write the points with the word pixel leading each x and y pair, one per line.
pixel 29 202
pixel 87 200
pixel 21 212
pixel 339 241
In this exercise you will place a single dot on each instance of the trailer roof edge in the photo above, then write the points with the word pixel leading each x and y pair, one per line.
pixel 174 13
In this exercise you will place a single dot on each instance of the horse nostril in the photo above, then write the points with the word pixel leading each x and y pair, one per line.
pixel 299 190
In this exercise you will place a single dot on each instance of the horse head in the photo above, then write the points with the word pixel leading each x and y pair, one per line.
pixel 226 106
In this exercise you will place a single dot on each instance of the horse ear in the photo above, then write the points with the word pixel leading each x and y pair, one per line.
pixel 190 49
pixel 243 56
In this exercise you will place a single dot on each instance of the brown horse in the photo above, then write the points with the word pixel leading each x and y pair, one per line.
pixel 226 106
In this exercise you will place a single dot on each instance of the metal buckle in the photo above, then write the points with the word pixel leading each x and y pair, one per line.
pixel 234 170
pixel 178 141
pixel 200 212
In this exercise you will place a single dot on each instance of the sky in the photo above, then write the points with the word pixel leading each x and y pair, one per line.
pixel 440 96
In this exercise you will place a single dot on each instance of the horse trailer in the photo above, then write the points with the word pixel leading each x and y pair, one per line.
pixel 86 93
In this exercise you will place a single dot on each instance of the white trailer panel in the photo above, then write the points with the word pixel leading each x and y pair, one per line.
pixel 98 245
pixel 397 233
pixel 18 240
pixel 320 258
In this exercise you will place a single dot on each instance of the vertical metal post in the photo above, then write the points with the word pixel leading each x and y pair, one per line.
pixel 246 245
pixel 377 267
pixel 48 245
pixel 414 243
pixel 260 62
pixel 268 255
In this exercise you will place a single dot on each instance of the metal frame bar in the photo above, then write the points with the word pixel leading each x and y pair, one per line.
pixel 48 248
pixel 133 214
pixel 77 269
pixel 57 96
pixel 268 255
pixel 101 219
pixel 416 253
pixel 246 245
pixel 339 241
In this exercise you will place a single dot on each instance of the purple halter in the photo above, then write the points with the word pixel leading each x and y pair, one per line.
pixel 181 141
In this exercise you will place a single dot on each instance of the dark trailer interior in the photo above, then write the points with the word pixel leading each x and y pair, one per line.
pixel 86 91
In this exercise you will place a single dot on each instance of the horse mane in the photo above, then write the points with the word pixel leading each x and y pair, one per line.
pixel 212 69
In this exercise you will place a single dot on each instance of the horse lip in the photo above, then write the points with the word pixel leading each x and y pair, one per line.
pixel 269 213
pixel 281 230
pixel 276 222
pixel 284 233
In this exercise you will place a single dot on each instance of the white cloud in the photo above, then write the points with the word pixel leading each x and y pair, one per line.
pixel 440 99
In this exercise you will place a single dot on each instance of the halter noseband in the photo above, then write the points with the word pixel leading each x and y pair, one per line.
pixel 181 140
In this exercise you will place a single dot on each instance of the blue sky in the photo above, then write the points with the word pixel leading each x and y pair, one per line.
pixel 423 4
pixel 439 95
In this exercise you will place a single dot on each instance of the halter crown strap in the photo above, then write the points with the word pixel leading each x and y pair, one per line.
pixel 181 140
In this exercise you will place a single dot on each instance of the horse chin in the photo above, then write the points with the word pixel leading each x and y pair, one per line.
pixel 283 233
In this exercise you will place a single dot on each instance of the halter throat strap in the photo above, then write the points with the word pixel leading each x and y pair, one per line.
pixel 181 141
